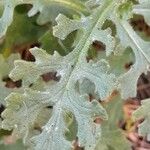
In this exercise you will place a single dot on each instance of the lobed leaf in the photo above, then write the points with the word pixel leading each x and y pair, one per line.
pixel 143 112
pixel 67 97
pixel 129 38
pixel 65 94
pixel 141 51
pixel 22 111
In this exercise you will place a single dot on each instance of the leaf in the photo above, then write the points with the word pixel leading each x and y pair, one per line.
pixel 71 25
pixel 143 8
pixel 129 38
pixel 53 132
pixel 112 135
pixel 96 72
pixel 113 139
pixel 142 55
pixel 7 16
pixel 62 47
pixel 22 112
pixel 51 8
pixel 15 100
pixel 63 95
pixel 103 36
pixel 93 3
pixel 143 112
pixel 44 7
pixel 26 33
pixel 118 63
pixel 17 146
pixel 5 67
pixel 68 98
pixel 56 124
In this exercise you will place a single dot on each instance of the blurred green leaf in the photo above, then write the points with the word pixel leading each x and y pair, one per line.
pixel 17 146
pixel 23 30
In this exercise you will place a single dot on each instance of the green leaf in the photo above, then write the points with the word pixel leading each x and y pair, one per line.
pixel 118 63
pixel 27 32
pixel 143 112
pixel 62 47
pixel 112 136
pixel 17 146
pixel 113 139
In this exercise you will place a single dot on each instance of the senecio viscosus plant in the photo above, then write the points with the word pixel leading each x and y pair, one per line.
pixel 66 109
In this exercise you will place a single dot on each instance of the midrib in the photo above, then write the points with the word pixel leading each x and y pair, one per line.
pixel 83 45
